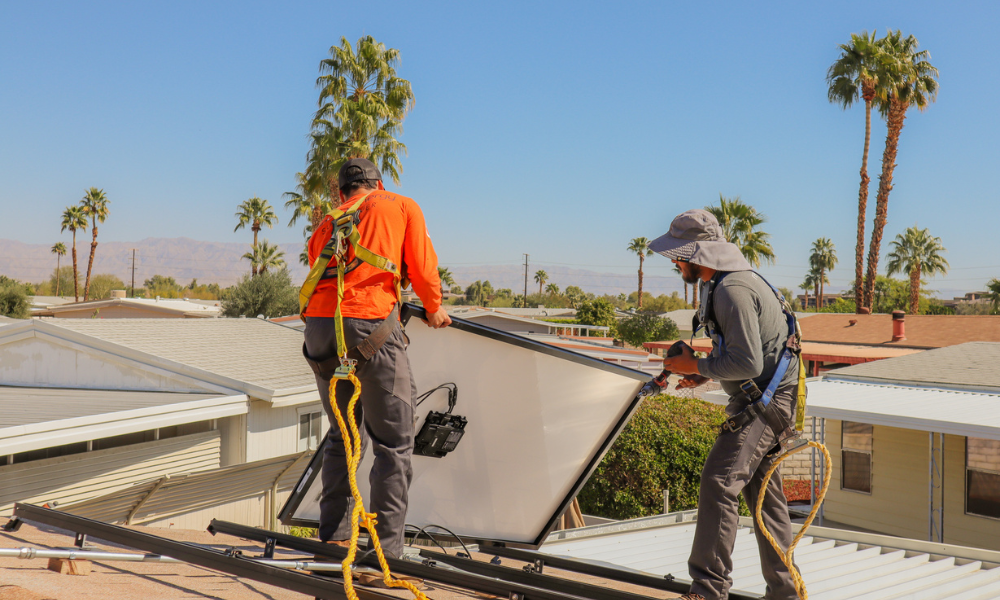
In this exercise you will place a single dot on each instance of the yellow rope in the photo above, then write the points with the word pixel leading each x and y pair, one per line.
pixel 352 445
pixel 786 557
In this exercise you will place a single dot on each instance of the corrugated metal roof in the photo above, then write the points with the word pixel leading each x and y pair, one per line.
pixel 264 355
pixel 835 564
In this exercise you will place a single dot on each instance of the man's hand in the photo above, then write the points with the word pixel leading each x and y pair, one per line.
pixel 684 363
pixel 438 319
pixel 691 381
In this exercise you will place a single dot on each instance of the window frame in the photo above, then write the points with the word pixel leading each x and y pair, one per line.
pixel 871 460
pixel 301 412
pixel 965 484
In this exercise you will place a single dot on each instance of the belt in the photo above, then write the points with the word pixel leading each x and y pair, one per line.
pixel 366 349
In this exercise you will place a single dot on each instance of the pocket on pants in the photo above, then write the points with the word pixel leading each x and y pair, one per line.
pixel 749 454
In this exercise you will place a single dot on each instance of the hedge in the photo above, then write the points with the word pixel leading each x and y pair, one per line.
pixel 663 447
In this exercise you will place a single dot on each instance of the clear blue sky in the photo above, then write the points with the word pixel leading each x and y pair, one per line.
pixel 558 129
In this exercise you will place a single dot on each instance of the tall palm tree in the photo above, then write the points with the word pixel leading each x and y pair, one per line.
pixel 307 201
pixel 552 289
pixel 256 213
pixel 739 223
pixel 640 246
pixel 809 283
pixel 916 252
pixel 362 104
pixel 95 205
pixel 263 257
pixel 59 249
pixel 73 218
pixel 823 258
pixel 540 278
pixel 447 280
pixel 856 75
pixel 910 80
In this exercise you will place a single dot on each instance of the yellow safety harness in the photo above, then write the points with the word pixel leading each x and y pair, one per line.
pixel 346 236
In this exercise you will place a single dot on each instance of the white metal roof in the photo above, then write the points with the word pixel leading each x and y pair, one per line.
pixel 32 418
pixel 835 564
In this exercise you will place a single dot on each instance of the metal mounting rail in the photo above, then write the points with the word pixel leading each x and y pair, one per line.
pixel 534 577
pixel 668 583
pixel 496 585
pixel 233 564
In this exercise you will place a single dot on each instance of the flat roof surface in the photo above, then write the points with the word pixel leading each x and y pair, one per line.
pixel 836 564
pixel 972 365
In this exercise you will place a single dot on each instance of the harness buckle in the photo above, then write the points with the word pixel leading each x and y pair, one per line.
pixel 751 390
pixel 346 368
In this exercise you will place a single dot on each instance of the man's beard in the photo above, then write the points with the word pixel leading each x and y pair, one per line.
pixel 693 274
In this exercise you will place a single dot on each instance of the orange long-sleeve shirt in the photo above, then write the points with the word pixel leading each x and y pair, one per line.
pixel 392 226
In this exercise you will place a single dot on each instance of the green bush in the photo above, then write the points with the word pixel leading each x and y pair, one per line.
pixel 269 294
pixel 646 327
pixel 664 446
pixel 14 299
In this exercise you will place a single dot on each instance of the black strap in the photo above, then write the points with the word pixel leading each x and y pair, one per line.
pixel 366 349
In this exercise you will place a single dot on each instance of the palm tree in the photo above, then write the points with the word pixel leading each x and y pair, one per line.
pixel 59 250
pixel 640 246
pixel 73 218
pixel 916 252
pixel 677 270
pixel 263 257
pixel 823 259
pixel 257 213
pixel 739 223
pixel 446 279
pixel 552 289
pixel 362 104
pixel 95 205
pixel 540 278
pixel 910 80
pixel 809 283
pixel 994 294
pixel 308 201
pixel 856 75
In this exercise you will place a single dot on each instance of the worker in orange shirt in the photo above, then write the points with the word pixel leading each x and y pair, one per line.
pixel 393 227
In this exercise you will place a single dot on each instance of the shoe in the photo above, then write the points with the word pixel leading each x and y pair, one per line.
pixel 692 597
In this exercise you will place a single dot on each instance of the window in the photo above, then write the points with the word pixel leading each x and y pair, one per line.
pixel 982 477
pixel 310 430
pixel 856 455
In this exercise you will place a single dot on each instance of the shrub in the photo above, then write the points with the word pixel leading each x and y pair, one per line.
pixel 269 294
pixel 664 446
pixel 14 299
pixel 646 327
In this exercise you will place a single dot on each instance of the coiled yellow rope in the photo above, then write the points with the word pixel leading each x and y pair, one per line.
pixel 352 445
pixel 786 557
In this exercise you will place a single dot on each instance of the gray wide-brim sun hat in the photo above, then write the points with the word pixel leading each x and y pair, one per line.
pixel 695 236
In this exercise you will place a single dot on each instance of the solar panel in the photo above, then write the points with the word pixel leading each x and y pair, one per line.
pixel 539 420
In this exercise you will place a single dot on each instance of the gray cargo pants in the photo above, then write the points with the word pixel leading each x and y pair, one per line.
pixel 736 463
pixel 384 413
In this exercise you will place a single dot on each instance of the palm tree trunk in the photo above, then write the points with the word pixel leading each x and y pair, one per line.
pixel 317 216
pixel 819 300
pixel 253 265
pixel 806 307
pixel 897 113
pixel 640 282
pixel 90 264
pixel 685 292
pixel 915 290
pixel 76 277
pixel 58 260
pixel 816 294
pixel 694 295
pixel 859 249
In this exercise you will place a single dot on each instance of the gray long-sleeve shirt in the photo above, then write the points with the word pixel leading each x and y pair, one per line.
pixel 754 331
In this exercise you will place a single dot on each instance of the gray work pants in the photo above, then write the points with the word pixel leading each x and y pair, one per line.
pixel 738 462
pixel 384 414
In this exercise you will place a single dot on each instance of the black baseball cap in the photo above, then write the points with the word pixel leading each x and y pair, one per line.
pixel 368 170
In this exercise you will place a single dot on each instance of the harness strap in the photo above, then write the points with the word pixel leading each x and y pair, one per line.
pixel 366 349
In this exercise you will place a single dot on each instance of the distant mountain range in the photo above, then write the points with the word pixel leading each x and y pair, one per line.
pixel 185 259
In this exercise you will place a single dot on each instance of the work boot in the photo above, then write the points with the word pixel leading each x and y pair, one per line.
pixel 692 597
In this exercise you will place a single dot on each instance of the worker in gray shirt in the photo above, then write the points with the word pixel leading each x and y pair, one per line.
pixel 749 331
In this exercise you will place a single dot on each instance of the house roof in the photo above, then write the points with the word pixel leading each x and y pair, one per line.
pixel 835 353
pixel 834 563
pixel 476 314
pixel 174 306
pixel 922 331
pixel 965 366
pixel 252 356
pixel 44 417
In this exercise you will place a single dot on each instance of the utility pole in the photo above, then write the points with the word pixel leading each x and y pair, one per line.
pixel 133 272
pixel 524 299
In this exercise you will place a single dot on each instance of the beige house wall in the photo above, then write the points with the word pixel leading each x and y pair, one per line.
pixel 899 502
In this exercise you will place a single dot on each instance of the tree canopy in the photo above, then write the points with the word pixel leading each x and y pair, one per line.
pixel 270 293
pixel 740 223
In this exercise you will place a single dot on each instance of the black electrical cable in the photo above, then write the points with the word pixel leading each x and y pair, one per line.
pixel 454 535
pixel 429 536
pixel 452 395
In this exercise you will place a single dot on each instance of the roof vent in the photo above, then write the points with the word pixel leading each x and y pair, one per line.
pixel 852 322
pixel 898 326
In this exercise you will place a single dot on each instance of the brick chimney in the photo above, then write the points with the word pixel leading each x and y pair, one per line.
pixel 898 326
